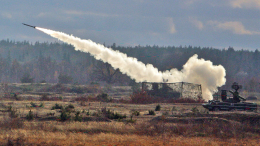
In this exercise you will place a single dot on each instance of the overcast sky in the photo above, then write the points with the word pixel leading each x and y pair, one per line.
pixel 205 23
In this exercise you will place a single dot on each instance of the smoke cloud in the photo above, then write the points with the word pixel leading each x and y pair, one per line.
pixel 195 70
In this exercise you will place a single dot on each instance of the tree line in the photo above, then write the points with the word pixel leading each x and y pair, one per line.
pixel 59 62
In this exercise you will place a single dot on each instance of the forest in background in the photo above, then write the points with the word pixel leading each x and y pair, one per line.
pixel 59 62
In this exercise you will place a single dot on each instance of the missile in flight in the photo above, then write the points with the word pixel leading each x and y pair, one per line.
pixel 29 25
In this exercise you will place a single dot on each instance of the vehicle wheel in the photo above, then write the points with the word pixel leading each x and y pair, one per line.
pixel 216 109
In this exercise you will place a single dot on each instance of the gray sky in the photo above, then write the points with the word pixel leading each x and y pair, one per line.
pixel 205 23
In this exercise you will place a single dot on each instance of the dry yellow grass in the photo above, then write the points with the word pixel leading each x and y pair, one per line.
pixel 36 137
pixel 105 133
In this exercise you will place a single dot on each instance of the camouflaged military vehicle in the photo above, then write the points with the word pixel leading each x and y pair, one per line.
pixel 229 104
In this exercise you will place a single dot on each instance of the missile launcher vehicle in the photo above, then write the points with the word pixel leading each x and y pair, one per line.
pixel 229 104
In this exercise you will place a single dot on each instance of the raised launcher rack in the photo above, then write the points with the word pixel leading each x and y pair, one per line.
pixel 173 90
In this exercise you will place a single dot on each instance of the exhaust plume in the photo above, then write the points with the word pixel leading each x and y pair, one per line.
pixel 195 70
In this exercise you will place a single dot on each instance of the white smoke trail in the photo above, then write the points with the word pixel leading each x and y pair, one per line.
pixel 205 73
pixel 195 70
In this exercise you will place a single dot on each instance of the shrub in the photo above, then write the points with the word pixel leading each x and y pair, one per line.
pixel 78 117
pixel 143 98
pixel 88 113
pixel 136 113
pixel 140 98
pixel 151 112
pixel 56 106
pixel 64 116
pixel 112 115
pixel 158 108
pixel 29 116
pixel 69 108
pixel 118 116
pixel 41 105
pixel 96 114
pixel 83 111
pixel 60 98
pixel 33 104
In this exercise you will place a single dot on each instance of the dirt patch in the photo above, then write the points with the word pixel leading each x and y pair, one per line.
pixel 84 119
pixel 252 119
pixel 192 120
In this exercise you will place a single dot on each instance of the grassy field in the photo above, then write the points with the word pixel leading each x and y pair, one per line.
pixel 167 127
pixel 47 119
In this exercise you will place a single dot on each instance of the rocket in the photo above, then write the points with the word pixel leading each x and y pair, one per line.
pixel 29 25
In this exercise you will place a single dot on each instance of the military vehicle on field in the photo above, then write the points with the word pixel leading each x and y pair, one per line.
pixel 229 104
